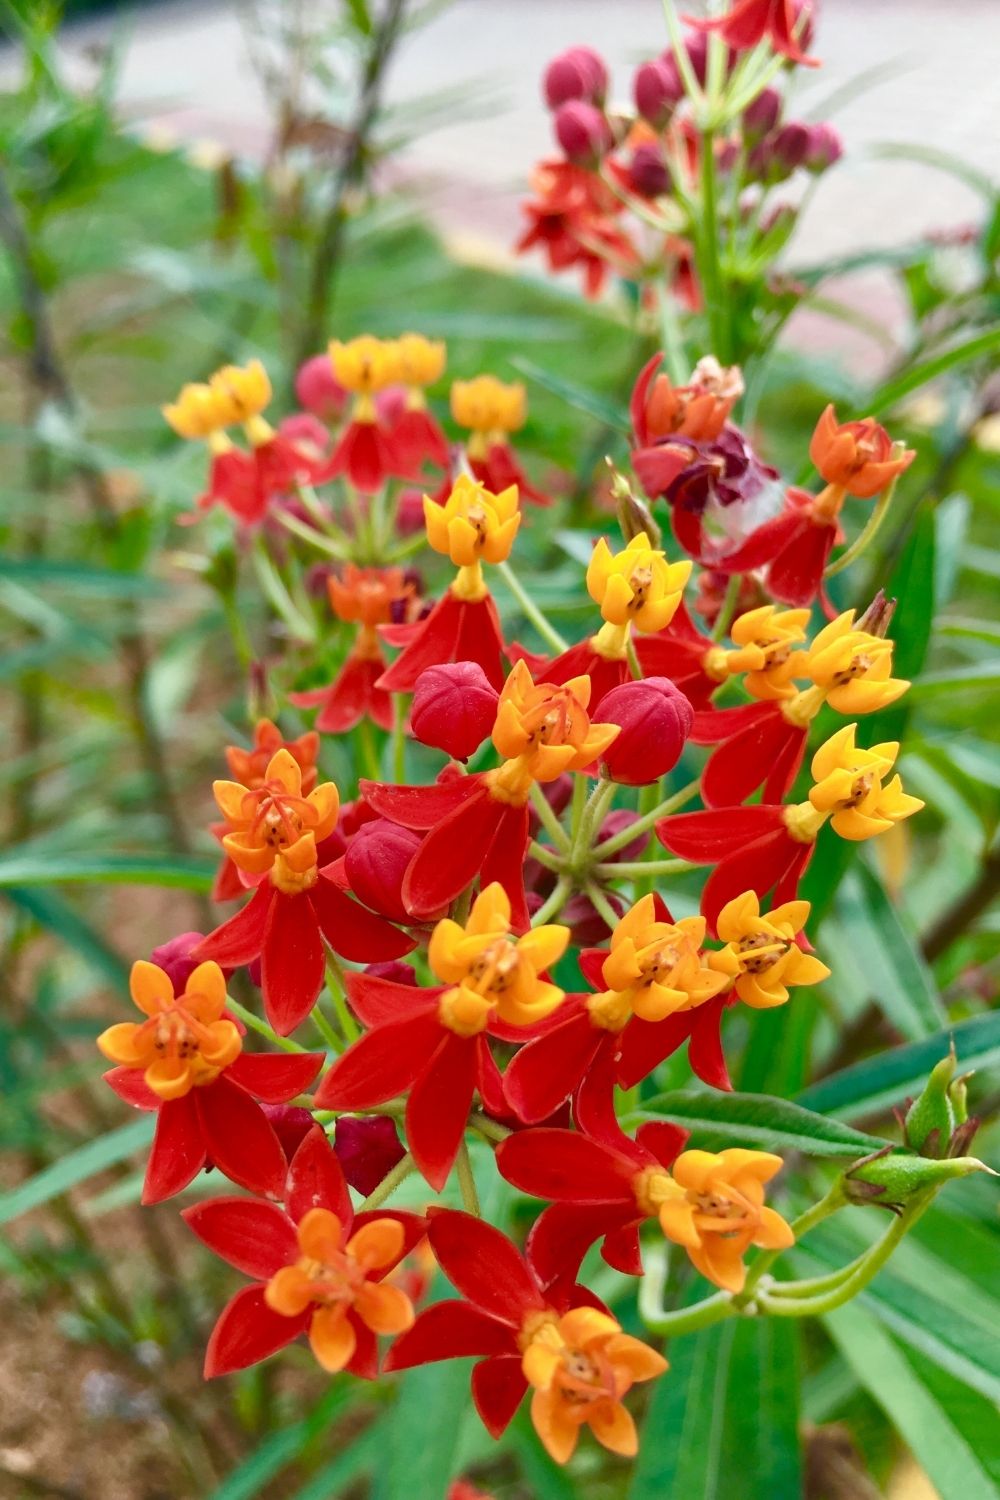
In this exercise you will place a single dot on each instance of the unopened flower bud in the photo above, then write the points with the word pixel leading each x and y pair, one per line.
pixel 616 822
pixel 367 1149
pixel 761 116
pixel 454 708
pixel 648 172
pixel 655 720
pixel 577 73
pixel 824 148
pixel 582 132
pixel 789 149
pixel 890 1180
pixel 657 90
pixel 290 1123
pixel 318 390
pixel 930 1119
pixel 375 864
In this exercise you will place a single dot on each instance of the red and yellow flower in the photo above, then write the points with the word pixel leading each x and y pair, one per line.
pixel 762 955
pixel 493 411
pixel 433 1042
pixel 365 451
pixel 249 766
pixel 186 1061
pixel 569 1351
pixel 471 526
pixel 318 1269
pixel 273 833
pixel 367 597
pixel 713 1206
pixel 417 438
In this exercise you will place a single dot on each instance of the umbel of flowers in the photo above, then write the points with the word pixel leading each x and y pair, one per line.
pixel 492 954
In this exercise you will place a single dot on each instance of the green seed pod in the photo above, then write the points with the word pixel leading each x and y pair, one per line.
pixel 890 1181
pixel 930 1119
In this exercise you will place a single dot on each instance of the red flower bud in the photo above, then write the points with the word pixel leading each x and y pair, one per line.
pixel 391 968
pixel 761 116
pixel 376 862
pixel 791 146
pixel 318 390
pixel 825 147
pixel 587 926
pixel 657 89
pixel 290 1123
pixel 583 132
pixel 367 1149
pixel 648 172
pixel 655 719
pixel 577 73
pixel 454 708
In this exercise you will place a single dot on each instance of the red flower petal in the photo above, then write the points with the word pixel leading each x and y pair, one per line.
pixel 621 1250
pixel 293 964
pixel 563 1234
pixel 662 1140
pixel 645 1044
pixel 364 1361
pixel 488 1080
pixel 257 1238
pixel 704 837
pixel 420 807
pixel 565 1166
pixel 748 757
pixel 438 1107
pixel 239 1139
pixel 796 573
pixel 547 1070
pixel 178 1152
pixel 239 941
pixel 756 867
pixel 316 1180
pixel 705 1051
pixel 378 1001
pixel 480 638
pixel 381 1064
pixel 452 854
pixel 275 1077
pixel 129 1084
pixel 450 1330
pixel 504 862
pixel 483 1265
pixel 248 1331
pixel 592 966
pixel 353 931
pixel 498 1387
pixel 434 640
pixel 637 403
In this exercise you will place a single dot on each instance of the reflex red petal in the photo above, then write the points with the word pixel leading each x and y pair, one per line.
pixel 248 1331
pixel 257 1238
pixel 483 1265
pixel 704 837
pixel 178 1151
pixel 378 1001
pixel 275 1077
pixel 419 807
pixel 353 931
pixel 450 1330
pixel 239 1139
pixel 381 1064
pixel 130 1084
pixel 239 941
pixel 565 1166
pixel 452 855
pixel 549 1069
pixel 438 1107
pixel 498 1387
pixel 316 1180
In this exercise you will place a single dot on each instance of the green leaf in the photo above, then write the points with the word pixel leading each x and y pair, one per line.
pixel 358 1458
pixel 878 945
pixel 926 370
pixel 53 911
pixel 879 1082
pixel 76 1167
pixel 420 1455
pixel 574 395
pixel 37 867
pixel 761 1455
pixel 977 674
pixel 545 1479
pixel 716 1120
pixel 82 578
pixel 681 1448
pixel 937 1444
pixel 280 1449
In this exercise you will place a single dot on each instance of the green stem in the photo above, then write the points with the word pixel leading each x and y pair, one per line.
pixel 829 1204
pixel 647 820
pixel 685 1319
pixel 262 1028
pixel 636 869
pixel 491 1129
pixel 276 592
pixel 784 1303
pixel 691 85
pixel 337 983
pixel 725 616
pixel 590 820
pixel 399 739
pixel 530 609
pixel 548 819
pixel 871 530
pixel 555 903
pixel 390 1182
pixel 601 904
pixel 467 1182
pixel 325 1030
pixel 545 856
pixel 307 533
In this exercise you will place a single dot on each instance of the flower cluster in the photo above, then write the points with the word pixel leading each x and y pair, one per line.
pixel 483 957
pixel 621 197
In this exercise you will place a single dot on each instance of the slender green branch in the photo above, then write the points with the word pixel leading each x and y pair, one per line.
pixel 467 1182
pixel 530 609
pixel 601 904
pixel 647 820
pixel 337 984
pixel 254 1023
pixel 550 908
pixel 636 869
pixel 390 1182
pixel 548 819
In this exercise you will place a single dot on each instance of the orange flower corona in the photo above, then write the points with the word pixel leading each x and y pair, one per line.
pixel 186 1040
pixel 274 827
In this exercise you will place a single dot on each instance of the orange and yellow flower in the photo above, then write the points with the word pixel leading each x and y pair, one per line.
pixel 579 1367
pixel 849 787
pixel 273 827
pixel 713 1205
pixel 856 458
pixel 761 956
pixel 186 1040
pixel 543 730
pixel 471 527
pixel 654 968
pixel 635 587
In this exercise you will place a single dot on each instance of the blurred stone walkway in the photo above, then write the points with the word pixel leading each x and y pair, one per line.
pixel 932 73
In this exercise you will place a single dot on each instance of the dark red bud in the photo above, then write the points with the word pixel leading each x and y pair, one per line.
pixel 577 73
pixel 791 146
pixel 391 968
pixel 657 89
pixel 375 864
pixel 761 116
pixel 318 390
pixel 587 927
pixel 290 1123
pixel 454 708
pixel 648 172
pixel 174 958
pixel 367 1148
pixel 655 719
pixel 825 147
pixel 583 132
